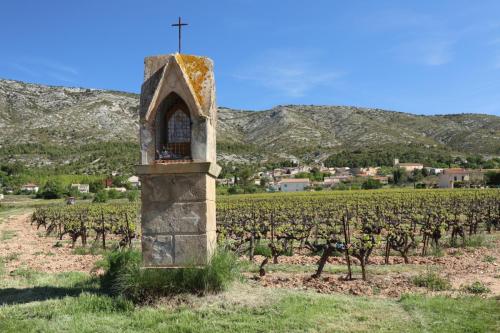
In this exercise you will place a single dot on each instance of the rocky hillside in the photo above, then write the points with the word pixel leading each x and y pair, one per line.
pixel 73 117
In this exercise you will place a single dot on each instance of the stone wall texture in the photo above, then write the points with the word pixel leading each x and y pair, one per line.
pixel 178 219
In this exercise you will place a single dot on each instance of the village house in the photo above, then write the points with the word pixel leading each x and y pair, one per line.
pixel 337 179
pixel 33 188
pixel 225 181
pixel 434 171
pixel 82 188
pixel 1 196
pixel 408 167
pixel 294 184
pixel 330 181
pixel 382 179
pixel 134 181
pixel 278 172
pixel 449 177
pixel 346 171
pixel 117 189
pixel 365 172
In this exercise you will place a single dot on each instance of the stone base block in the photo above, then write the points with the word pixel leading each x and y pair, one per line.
pixel 158 251
pixel 178 217
pixel 170 188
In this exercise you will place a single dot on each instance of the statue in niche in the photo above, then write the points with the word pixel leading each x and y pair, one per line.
pixel 177 133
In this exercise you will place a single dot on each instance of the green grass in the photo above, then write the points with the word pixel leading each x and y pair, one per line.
pixel 432 281
pixel 124 275
pixel 489 259
pixel 11 256
pixel 73 302
pixel 284 311
pixel 7 234
pixel 479 241
pixel 476 288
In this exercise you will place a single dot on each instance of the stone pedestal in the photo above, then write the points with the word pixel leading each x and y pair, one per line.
pixel 178 213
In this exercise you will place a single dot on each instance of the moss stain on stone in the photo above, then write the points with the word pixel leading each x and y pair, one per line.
pixel 197 70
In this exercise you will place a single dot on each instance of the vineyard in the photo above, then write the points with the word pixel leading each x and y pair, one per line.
pixel 355 224
pixel 352 224
pixel 81 221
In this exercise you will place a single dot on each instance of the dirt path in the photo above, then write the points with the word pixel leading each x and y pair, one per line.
pixel 23 246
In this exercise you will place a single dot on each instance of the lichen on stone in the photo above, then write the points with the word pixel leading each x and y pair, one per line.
pixel 197 70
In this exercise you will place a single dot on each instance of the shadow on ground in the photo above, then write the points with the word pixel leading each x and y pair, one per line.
pixel 10 296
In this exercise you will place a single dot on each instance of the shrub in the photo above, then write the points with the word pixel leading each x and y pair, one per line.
pixel 263 250
pixel 432 281
pixel 132 195
pixel 125 276
pixel 371 184
pixel 489 259
pixel 101 196
pixel 476 241
pixel 53 189
pixel 476 288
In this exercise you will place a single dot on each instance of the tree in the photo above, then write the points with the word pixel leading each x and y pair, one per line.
pixel 52 189
pixel 13 169
pixel 96 186
pixel 398 175
pixel 371 184
pixel 493 178
pixel 101 196
pixel 415 177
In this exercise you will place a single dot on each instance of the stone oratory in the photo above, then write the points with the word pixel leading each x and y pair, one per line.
pixel 178 118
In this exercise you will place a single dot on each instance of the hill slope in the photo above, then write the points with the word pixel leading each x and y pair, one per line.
pixel 73 123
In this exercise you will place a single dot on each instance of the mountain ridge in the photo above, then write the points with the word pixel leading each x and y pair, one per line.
pixel 73 116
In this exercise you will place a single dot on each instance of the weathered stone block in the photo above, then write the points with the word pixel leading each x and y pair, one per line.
pixel 177 187
pixel 178 217
pixel 194 249
pixel 157 250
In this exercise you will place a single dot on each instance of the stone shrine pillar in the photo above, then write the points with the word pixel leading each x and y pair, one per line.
pixel 178 118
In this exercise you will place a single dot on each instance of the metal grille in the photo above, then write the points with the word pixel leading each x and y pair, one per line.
pixel 179 135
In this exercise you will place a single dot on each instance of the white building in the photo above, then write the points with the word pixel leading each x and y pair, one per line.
pixel 408 167
pixel 225 181
pixel 30 188
pixel 294 184
pixel 434 171
pixel 448 177
pixel 117 189
pixel 82 188
pixel 134 181
pixel 1 196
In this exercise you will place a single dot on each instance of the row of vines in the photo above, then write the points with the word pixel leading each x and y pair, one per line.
pixel 85 220
pixel 350 224
pixel 355 224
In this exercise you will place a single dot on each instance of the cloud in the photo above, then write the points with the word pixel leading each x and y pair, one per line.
pixel 288 72
pixel 429 52
pixel 40 67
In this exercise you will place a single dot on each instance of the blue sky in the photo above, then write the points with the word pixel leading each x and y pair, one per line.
pixel 420 56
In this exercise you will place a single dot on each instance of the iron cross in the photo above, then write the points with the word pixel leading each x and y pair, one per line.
pixel 179 25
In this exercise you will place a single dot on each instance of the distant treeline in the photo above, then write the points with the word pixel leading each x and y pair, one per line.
pixel 91 159
pixel 429 156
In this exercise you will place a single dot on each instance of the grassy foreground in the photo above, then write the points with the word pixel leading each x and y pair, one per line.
pixel 72 302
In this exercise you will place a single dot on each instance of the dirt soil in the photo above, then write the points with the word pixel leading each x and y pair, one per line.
pixel 23 246
pixel 460 266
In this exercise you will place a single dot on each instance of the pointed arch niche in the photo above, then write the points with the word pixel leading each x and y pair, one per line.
pixel 173 127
